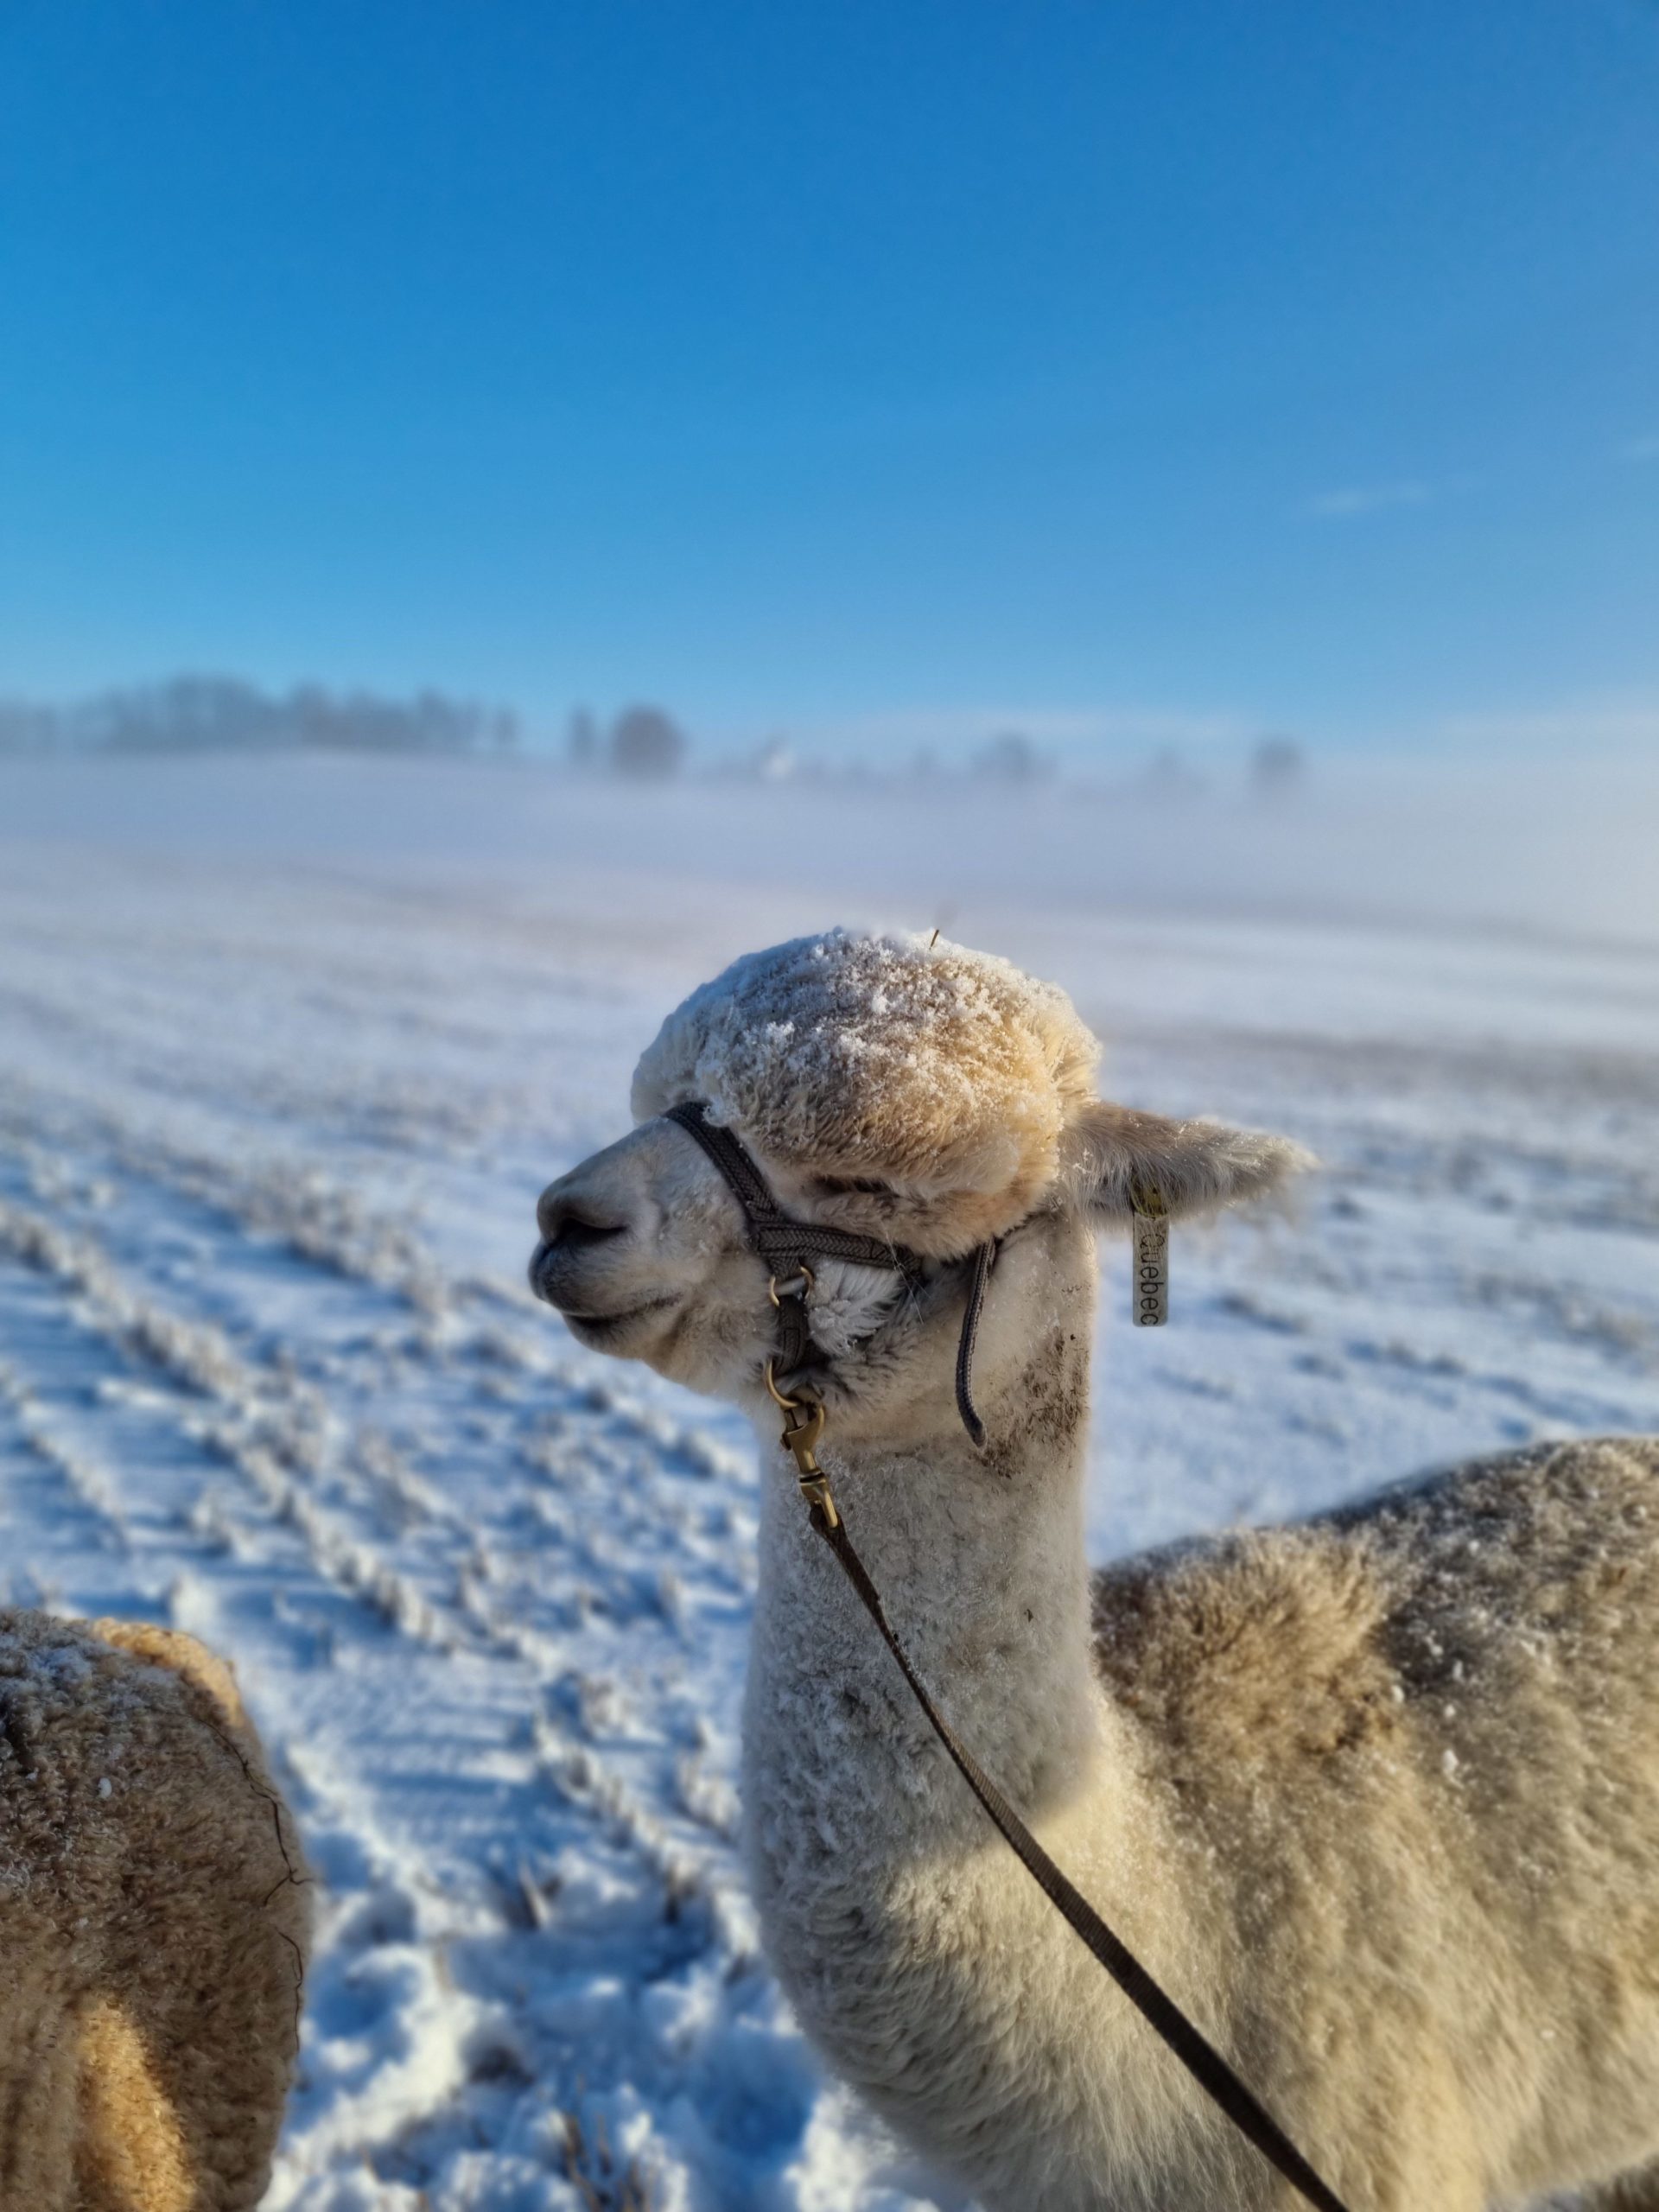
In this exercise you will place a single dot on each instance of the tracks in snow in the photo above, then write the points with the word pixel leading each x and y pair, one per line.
pixel 255 1411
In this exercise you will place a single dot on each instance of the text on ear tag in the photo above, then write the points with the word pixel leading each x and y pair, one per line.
pixel 1149 1262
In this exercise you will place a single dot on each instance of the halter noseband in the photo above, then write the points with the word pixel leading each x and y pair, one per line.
pixel 784 1243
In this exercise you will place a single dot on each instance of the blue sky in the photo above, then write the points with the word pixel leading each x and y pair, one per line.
pixel 877 371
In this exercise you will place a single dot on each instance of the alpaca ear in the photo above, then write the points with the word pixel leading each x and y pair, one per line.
pixel 1123 1160
pixel 182 1654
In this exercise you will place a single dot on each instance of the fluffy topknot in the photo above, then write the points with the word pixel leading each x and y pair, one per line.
pixel 944 1072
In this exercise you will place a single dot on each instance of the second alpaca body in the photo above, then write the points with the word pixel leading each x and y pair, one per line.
pixel 154 1921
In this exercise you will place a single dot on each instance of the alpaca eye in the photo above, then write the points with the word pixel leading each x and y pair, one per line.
pixel 835 1186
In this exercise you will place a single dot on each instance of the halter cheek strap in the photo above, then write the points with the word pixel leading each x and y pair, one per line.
pixel 786 1245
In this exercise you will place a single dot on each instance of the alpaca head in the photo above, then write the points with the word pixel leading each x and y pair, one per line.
pixel 912 1090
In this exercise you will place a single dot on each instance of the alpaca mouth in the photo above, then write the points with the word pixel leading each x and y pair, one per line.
pixel 597 1327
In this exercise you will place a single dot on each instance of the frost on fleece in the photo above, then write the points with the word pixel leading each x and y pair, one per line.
pixel 966 1068
pixel 153 1925
pixel 964 1085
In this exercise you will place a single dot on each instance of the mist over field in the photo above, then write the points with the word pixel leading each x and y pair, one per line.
pixel 290 1046
pixel 1561 848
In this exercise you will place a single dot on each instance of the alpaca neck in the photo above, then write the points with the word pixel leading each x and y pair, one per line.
pixel 913 1945
pixel 979 1558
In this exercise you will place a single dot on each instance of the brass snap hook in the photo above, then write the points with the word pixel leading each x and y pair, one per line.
pixel 802 1277
pixel 779 1398
pixel 803 1425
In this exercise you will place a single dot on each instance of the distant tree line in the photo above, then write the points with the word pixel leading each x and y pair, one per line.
pixel 222 714
pixel 643 743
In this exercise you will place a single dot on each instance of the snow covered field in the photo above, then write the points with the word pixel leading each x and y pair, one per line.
pixel 287 1050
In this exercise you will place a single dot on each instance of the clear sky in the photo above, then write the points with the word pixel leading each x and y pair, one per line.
pixel 902 366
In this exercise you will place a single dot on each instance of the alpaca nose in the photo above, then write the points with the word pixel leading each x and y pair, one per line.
pixel 571 1219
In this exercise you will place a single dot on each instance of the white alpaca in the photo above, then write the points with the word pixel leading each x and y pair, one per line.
pixel 1376 1796
pixel 153 1926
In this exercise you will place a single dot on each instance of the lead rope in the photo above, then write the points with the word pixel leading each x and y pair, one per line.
pixel 1153 2003
pixel 778 1240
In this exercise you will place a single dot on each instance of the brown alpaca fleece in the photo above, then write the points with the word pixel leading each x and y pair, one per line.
pixel 153 1926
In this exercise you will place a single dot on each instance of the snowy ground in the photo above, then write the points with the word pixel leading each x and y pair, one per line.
pixel 282 1070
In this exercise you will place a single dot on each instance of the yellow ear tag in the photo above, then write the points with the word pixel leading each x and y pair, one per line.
pixel 1149 1270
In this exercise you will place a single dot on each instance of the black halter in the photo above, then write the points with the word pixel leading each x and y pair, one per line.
pixel 785 1244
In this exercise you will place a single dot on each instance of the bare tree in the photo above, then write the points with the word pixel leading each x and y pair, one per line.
pixel 1278 768
pixel 581 741
pixel 1011 758
pixel 647 744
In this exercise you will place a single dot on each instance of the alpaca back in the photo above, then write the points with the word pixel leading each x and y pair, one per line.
pixel 1418 1739
pixel 152 1927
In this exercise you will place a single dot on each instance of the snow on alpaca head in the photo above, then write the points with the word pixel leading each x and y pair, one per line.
pixel 907 1088
pixel 944 1075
